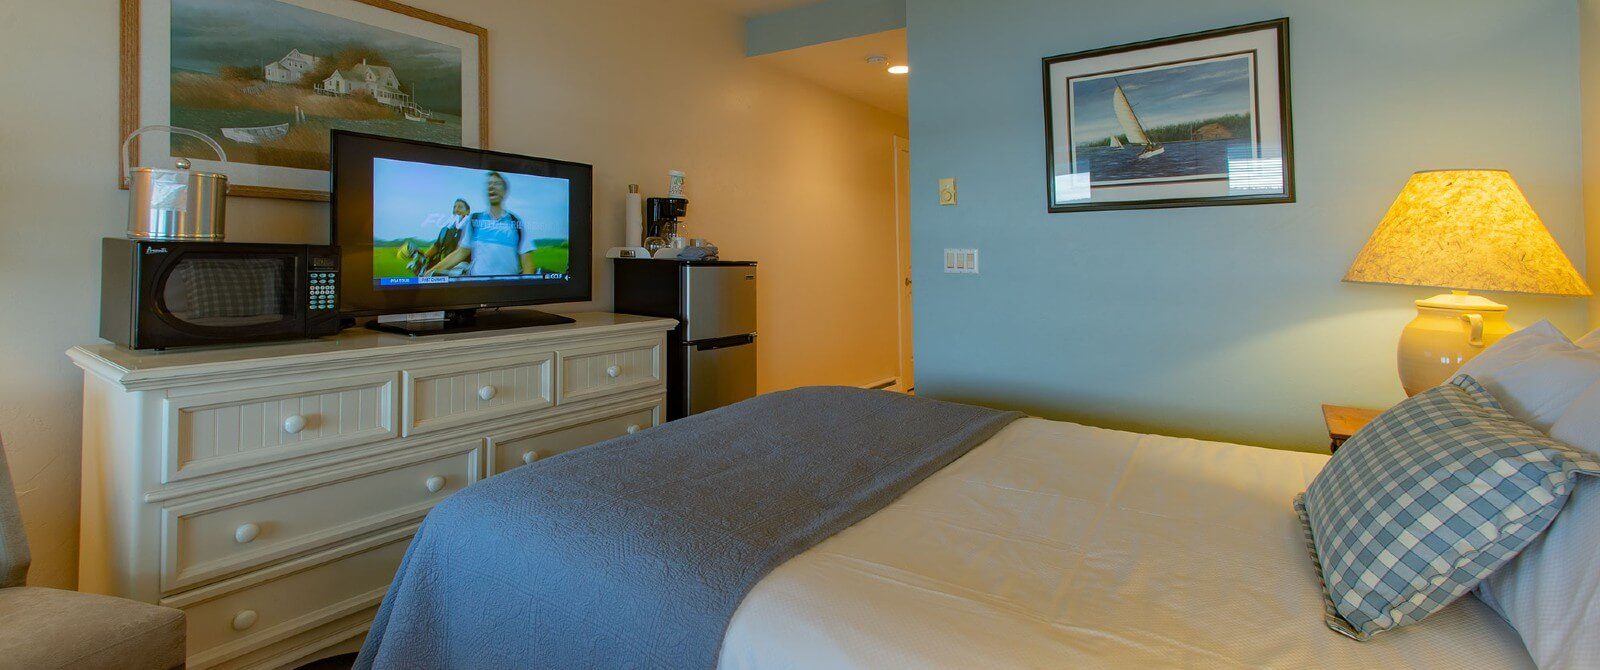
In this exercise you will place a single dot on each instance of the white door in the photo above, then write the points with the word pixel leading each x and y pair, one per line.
pixel 902 216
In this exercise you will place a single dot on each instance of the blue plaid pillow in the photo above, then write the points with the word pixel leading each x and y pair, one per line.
pixel 1427 501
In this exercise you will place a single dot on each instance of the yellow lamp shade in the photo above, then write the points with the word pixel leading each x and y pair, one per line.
pixel 1466 229
pixel 1461 229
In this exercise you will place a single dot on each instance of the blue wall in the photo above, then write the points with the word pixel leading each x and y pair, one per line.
pixel 1226 322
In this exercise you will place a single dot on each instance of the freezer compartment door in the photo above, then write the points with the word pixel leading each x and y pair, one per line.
pixel 719 301
pixel 720 372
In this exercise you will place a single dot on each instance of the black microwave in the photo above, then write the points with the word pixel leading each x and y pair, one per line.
pixel 155 295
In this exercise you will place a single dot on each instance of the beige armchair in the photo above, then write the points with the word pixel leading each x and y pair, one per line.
pixel 51 628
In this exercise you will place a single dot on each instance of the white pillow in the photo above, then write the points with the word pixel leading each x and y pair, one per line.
pixel 1590 341
pixel 1535 373
pixel 1550 593
pixel 1579 426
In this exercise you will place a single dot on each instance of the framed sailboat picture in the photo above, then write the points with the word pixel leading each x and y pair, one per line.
pixel 1195 120
pixel 268 80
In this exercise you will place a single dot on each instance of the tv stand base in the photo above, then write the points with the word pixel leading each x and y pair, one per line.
pixel 470 320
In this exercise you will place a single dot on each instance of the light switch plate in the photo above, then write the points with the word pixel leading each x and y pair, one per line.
pixel 961 261
pixel 947 191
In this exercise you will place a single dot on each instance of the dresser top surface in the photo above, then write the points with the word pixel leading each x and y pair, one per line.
pixel 128 364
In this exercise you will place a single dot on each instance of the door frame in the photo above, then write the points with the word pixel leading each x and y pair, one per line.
pixel 903 285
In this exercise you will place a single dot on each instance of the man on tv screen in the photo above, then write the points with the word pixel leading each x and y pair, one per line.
pixel 493 243
pixel 448 239
pixel 500 225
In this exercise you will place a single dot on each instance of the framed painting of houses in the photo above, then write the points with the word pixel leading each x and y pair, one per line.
pixel 1194 120
pixel 268 79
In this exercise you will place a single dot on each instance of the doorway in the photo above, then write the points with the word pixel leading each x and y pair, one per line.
pixel 902 232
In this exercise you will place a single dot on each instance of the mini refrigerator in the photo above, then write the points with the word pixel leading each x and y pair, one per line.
pixel 711 355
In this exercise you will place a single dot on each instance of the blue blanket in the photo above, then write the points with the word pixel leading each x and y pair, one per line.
pixel 636 552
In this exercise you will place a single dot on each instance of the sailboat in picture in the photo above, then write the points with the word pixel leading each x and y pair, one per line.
pixel 1131 125
pixel 1116 143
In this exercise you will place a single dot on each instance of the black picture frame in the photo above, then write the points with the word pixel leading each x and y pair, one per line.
pixel 1284 128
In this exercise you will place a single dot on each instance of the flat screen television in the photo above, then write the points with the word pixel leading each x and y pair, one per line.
pixel 425 227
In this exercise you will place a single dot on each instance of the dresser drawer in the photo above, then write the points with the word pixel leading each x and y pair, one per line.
pixel 453 395
pixel 232 618
pixel 216 537
pixel 598 371
pixel 215 432
pixel 517 447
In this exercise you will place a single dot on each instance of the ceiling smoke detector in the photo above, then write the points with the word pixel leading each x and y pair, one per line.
pixel 877 59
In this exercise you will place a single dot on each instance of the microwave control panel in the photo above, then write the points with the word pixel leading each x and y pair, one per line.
pixel 323 280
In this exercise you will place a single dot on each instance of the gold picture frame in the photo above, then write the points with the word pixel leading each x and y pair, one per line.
pixel 473 127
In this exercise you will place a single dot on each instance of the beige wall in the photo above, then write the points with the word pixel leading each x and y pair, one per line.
pixel 1589 76
pixel 779 171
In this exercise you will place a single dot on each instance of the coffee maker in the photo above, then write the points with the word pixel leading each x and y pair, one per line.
pixel 662 219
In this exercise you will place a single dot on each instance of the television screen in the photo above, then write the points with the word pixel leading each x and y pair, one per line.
pixel 434 225
pixel 425 227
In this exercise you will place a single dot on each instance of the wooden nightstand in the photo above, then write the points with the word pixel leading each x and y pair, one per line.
pixel 1344 422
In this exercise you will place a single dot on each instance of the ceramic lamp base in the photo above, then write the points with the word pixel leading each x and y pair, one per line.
pixel 1450 329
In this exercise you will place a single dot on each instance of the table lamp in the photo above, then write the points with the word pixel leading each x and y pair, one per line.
pixel 1461 230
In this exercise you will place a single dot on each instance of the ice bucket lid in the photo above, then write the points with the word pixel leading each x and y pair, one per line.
pixel 172 171
pixel 183 163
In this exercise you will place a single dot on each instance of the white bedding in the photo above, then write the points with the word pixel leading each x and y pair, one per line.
pixel 1063 546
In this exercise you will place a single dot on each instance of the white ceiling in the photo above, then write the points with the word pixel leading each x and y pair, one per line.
pixel 759 7
pixel 842 66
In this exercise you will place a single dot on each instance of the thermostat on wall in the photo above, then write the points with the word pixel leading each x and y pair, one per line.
pixel 947 191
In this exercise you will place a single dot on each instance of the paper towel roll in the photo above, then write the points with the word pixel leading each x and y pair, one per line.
pixel 633 222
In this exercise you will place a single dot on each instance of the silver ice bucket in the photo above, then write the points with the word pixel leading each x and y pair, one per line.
pixel 166 204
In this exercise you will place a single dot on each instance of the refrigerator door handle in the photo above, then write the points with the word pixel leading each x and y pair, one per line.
pixel 722 342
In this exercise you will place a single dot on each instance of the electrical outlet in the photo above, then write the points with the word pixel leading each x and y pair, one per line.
pixel 961 261
pixel 947 191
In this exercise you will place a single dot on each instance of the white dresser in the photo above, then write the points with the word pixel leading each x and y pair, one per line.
pixel 270 491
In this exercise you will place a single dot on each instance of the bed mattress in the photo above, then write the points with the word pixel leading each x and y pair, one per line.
pixel 1058 545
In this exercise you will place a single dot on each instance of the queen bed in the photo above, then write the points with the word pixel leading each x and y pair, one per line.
pixel 1038 544
pixel 1058 545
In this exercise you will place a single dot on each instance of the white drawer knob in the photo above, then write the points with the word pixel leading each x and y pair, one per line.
pixel 530 456
pixel 633 428
pixel 244 534
pixel 434 484
pixel 294 423
pixel 613 371
pixel 244 619
pixel 486 392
